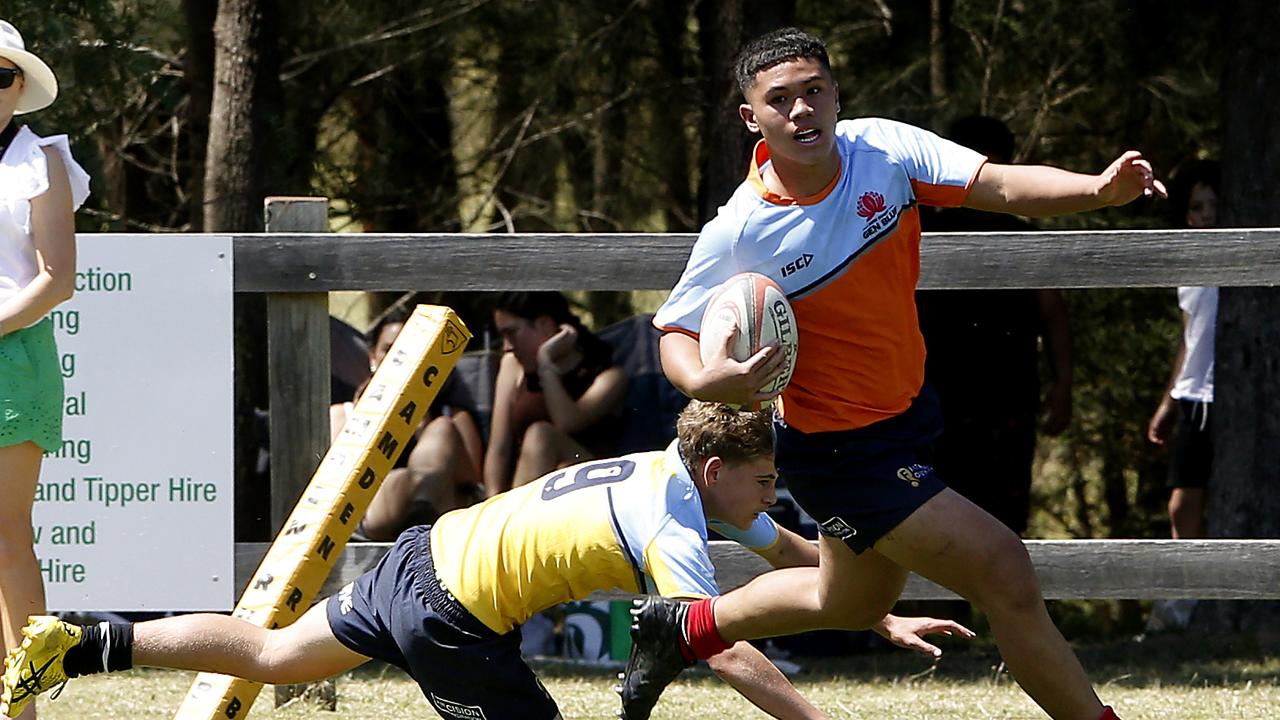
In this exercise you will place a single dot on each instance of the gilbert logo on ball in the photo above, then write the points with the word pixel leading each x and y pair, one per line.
pixel 753 310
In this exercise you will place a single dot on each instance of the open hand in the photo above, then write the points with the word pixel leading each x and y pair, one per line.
pixel 1127 178
pixel 909 632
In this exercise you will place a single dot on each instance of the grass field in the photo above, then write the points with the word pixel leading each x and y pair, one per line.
pixel 1163 677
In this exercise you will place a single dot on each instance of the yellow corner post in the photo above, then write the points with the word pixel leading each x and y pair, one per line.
pixel 298 561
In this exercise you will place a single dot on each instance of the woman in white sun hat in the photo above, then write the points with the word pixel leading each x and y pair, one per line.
pixel 40 187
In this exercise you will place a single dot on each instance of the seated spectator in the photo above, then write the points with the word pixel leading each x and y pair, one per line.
pixel 439 471
pixel 557 394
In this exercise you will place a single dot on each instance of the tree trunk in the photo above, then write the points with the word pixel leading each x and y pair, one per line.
pixel 939 23
pixel 724 26
pixel 197 70
pixel 1244 497
pixel 670 19
pixel 246 81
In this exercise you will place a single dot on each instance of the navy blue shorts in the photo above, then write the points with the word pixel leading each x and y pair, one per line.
pixel 399 612
pixel 860 484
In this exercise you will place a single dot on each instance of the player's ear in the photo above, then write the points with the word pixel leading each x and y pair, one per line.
pixel 711 470
pixel 749 117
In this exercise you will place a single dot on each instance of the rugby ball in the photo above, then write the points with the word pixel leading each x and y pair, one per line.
pixel 753 306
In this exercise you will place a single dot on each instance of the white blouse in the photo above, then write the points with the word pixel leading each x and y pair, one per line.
pixel 24 174
pixel 1195 378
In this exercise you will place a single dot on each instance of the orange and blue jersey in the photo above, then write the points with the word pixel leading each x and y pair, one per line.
pixel 634 523
pixel 847 258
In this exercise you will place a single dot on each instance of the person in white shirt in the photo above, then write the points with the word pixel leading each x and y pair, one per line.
pixel 1182 419
pixel 40 187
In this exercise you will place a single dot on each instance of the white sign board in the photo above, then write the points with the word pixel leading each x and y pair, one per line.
pixel 134 512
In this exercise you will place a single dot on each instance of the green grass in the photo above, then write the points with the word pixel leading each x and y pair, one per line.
pixel 1164 677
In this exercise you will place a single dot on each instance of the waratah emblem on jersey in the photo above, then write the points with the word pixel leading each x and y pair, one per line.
pixel 869 204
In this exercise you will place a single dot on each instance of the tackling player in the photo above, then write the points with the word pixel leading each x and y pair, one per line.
pixel 446 602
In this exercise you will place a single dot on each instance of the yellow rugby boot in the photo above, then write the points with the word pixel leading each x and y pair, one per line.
pixel 36 666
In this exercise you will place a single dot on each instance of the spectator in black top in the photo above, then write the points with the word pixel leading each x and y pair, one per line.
pixel 556 393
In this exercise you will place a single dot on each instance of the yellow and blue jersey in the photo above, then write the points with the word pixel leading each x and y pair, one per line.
pixel 634 523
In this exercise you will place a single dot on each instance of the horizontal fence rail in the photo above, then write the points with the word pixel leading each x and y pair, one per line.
pixel 320 262
pixel 1068 569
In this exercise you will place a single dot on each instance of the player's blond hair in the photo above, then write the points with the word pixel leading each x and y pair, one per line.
pixel 708 429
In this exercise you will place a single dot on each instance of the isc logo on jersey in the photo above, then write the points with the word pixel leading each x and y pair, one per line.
pixel 753 310
pixel 799 263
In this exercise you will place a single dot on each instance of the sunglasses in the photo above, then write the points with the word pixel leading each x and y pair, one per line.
pixel 7 76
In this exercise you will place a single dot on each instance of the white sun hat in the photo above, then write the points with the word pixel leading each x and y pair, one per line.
pixel 40 86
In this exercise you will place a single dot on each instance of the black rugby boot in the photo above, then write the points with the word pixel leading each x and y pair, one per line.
pixel 656 658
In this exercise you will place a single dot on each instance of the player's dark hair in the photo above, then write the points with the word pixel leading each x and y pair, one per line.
pixel 775 48
pixel 708 429
pixel 1196 172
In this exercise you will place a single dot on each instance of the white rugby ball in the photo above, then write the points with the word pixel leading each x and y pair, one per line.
pixel 756 308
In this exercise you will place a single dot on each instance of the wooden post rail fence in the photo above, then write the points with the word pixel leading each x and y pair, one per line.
pixel 298 262
pixel 1068 569
pixel 296 268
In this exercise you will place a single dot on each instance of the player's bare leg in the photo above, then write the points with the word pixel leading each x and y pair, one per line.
pixel 1186 512
pixel 959 546
pixel 54 651
pixel 21 587
pixel 302 652
pixel 852 592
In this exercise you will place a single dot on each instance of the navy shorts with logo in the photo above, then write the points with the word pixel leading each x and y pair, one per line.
pixel 860 484
pixel 399 612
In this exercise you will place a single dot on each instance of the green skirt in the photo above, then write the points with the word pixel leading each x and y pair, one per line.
pixel 31 388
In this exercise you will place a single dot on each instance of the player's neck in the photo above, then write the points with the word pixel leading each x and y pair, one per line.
pixel 800 180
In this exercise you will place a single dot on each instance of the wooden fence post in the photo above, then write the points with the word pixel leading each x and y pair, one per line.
pixel 298 376
pixel 297 367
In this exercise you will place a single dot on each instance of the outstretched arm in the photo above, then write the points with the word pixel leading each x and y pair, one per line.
pixel 791 550
pixel 1042 191
pixel 760 681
